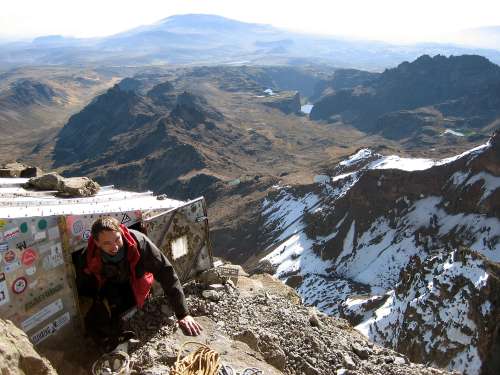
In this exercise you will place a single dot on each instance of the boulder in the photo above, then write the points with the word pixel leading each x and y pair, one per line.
pixel 19 170
pixel 67 187
pixel 17 355
pixel 78 187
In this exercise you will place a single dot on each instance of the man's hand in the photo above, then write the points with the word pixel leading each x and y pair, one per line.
pixel 190 326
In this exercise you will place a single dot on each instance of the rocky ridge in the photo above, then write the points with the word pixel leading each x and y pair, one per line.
pixel 458 93
pixel 265 319
pixel 345 243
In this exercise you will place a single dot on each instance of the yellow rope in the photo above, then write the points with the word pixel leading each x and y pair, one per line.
pixel 203 361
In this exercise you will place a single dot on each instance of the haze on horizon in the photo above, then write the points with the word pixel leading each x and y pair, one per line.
pixel 393 21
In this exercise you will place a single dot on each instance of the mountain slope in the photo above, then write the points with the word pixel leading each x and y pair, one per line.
pixel 424 97
pixel 36 102
pixel 345 244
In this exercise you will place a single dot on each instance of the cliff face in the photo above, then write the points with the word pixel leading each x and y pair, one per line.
pixel 444 308
pixel 460 91
pixel 135 136
pixel 345 245
pixel 286 101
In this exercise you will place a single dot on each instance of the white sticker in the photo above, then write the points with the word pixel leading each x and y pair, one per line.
pixel 42 315
pixel 54 259
pixel 30 271
pixel 53 233
pixel 179 247
pixel 11 267
pixel 86 235
pixel 10 234
pixel 39 236
pixel 50 329
pixel 42 249
pixel 4 290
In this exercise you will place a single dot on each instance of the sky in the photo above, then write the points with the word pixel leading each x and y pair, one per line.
pixel 399 21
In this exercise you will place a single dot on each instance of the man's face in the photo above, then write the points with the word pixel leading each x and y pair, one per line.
pixel 109 241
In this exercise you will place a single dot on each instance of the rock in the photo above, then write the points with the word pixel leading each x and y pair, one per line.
pixel 313 319
pixel 294 281
pixel 399 360
pixel 68 187
pixel 17 355
pixel 19 170
pixel 308 369
pixel 211 295
pixel 271 351
pixel 248 337
pixel 348 362
pixel 211 276
pixel 48 181
pixel 78 187
pixel 361 351
pixel 31 172
pixel 265 266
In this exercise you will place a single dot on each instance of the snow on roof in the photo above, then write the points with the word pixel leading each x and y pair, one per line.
pixel 15 201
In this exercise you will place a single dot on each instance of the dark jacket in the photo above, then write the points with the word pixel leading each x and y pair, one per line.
pixel 147 263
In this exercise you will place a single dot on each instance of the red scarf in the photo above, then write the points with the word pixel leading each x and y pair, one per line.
pixel 140 286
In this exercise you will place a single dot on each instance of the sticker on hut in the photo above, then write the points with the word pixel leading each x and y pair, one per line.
pixel 10 256
pixel 21 245
pixel 19 285
pixel 4 290
pixel 42 224
pixel 54 259
pixel 29 257
pixel 11 234
pixel 11 267
pixel 39 236
pixel 3 223
pixel 30 271
pixel 4 246
pixel 77 227
pixel 50 329
pixel 42 315
pixel 24 227
pixel 86 235
pixel 53 233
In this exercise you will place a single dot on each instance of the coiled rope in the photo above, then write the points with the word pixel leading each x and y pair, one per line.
pixel 203 361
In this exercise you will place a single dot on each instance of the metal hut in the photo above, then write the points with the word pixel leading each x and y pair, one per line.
pixel 41 234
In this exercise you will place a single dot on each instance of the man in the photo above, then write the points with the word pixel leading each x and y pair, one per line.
pixel 120 267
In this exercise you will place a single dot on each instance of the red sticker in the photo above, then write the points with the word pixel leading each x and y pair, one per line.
pixel 29 257
pixel 19 285
pixel 9 256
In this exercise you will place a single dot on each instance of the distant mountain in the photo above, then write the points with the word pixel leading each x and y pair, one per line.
pixel 195 130
pixel 423 97
pixel 209 39
pixel 406 249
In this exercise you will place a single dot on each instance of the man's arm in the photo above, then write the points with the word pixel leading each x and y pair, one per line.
pixel 154 261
